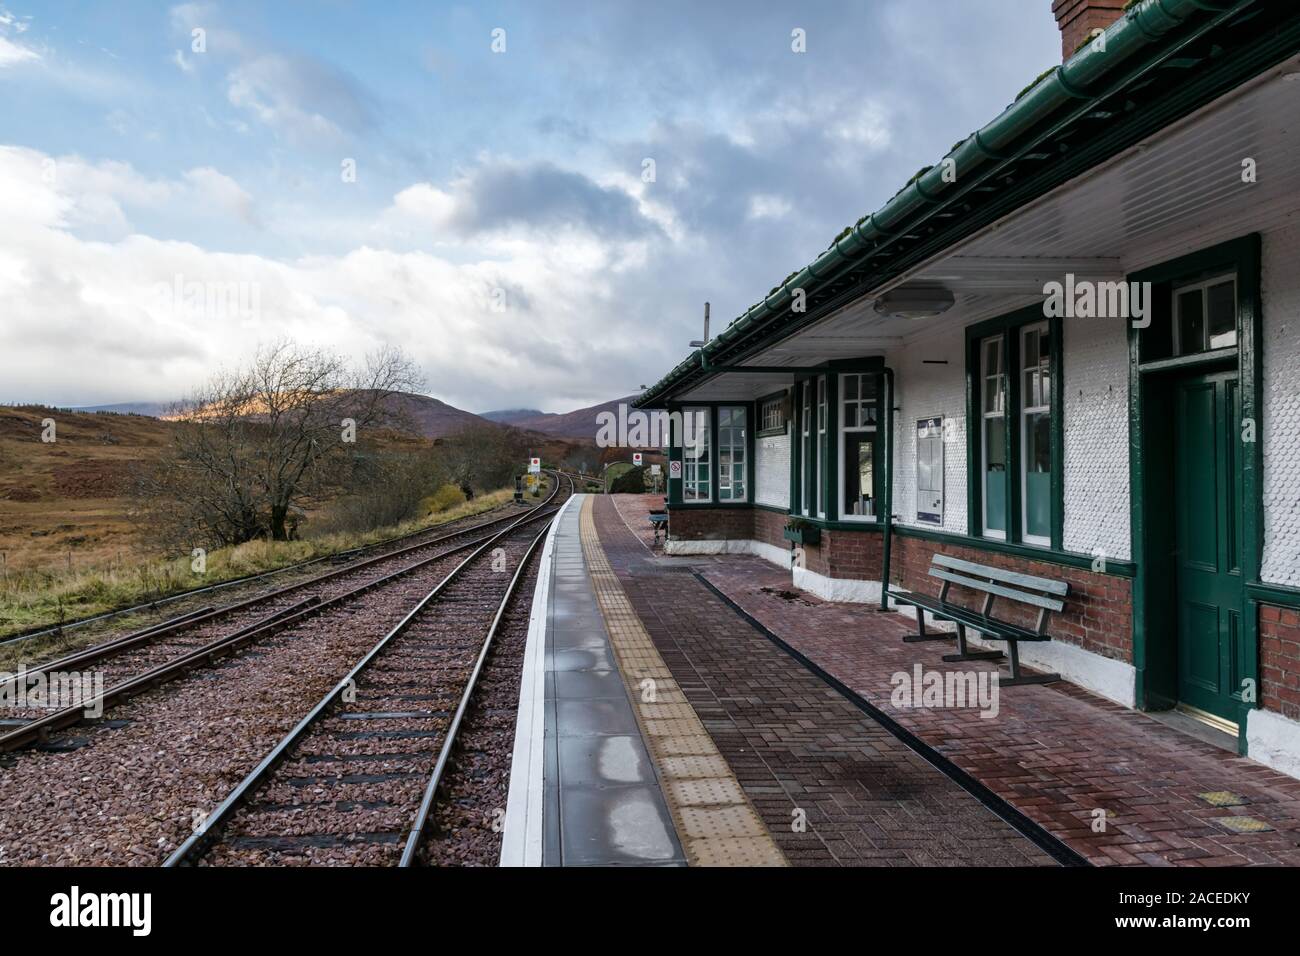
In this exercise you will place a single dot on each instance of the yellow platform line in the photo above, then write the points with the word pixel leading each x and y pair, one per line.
pixel 715 821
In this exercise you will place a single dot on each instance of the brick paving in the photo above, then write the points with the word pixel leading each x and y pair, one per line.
pixel 794 743
pixel 1055 752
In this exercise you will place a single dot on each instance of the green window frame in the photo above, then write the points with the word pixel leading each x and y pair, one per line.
pixel 733 455
pixel 697 454
pixel 1015 397
pixel 857 437
pixel 1035 421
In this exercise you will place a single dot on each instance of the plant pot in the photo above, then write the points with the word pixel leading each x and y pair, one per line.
pixel 802 535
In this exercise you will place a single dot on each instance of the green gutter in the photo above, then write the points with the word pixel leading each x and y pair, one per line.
pixel 1144 25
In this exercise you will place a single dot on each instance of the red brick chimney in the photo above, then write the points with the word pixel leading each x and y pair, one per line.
pixel 1078 18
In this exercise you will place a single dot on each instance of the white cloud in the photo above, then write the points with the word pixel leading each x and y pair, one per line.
pixel 12 53
pixel 90 320
pixel 866 126
pixel 763 206
pixel 214 187
pixel 70 193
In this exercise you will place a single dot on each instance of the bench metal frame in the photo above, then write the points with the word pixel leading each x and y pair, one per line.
pixel 1046 594
pixel 659 522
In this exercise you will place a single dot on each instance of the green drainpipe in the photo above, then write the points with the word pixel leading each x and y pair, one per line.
pixel 888 515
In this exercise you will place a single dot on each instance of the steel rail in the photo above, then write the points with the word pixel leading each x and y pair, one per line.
pixel 202 839
pixel 421 819
pixel 39 729
pixel 245 579
pixel 100 651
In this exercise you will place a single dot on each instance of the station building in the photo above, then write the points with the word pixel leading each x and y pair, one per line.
pixel 1070 349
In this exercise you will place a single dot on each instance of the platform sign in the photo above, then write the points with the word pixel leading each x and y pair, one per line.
pixel 534 465
pixel 636 458
pixel 929 470
pixel 675 470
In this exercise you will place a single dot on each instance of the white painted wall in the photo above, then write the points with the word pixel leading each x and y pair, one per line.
pixel 772 469
pixel 1280 428
pixel 925 391
pixel 1096 437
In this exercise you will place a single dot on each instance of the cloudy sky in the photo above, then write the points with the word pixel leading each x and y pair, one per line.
pixel 354 174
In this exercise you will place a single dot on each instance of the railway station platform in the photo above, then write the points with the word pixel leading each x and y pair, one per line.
pixel 696 711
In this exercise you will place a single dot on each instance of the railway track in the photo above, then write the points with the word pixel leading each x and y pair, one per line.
pixel 356 781
pixel 374 548
pixel 162 652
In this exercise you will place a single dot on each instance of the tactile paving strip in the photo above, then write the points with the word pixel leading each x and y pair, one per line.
pixel 1243 824
pixel 1223 798
pixel 714 820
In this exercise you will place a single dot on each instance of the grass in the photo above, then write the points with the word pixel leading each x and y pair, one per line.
pixel 32 599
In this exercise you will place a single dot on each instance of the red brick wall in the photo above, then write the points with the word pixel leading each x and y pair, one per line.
pixel 1078 18
pixel 1279 660
pixel 711 524
pixel 854 555
pixel 1098 613
pixel 725 524
pixel 768 528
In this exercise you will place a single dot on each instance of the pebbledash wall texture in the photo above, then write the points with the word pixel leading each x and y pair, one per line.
pixel 1279 627
pixel 1281 428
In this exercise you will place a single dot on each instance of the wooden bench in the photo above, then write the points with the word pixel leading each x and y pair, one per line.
pixel 1044 594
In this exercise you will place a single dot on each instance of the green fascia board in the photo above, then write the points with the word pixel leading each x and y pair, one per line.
pixel 1149 30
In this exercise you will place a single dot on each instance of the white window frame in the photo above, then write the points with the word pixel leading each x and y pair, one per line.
pixel 1042 328
pixel 1204 287
pixel 771 415
pixel 691 471
pixel 842 444
pixel 985 416
pixel 737 450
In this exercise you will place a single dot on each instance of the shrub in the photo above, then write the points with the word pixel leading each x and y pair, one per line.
pixel 631 482
pixel 448 496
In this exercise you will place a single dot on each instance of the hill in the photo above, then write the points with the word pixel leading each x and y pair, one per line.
pixel 419 415
pixel 66 500
pixel 432 418
pixel 509 416
pixel 578 424
pixel 149 409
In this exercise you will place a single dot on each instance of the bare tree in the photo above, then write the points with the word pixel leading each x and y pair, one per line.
pixel 259 444
pixel 483 456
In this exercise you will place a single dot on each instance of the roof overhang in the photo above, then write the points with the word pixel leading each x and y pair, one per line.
pixel 1135 164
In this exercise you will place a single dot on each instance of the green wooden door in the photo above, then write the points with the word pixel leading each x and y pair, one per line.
pixel 1208 551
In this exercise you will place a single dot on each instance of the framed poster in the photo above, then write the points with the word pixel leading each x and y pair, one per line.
pixel 929 470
